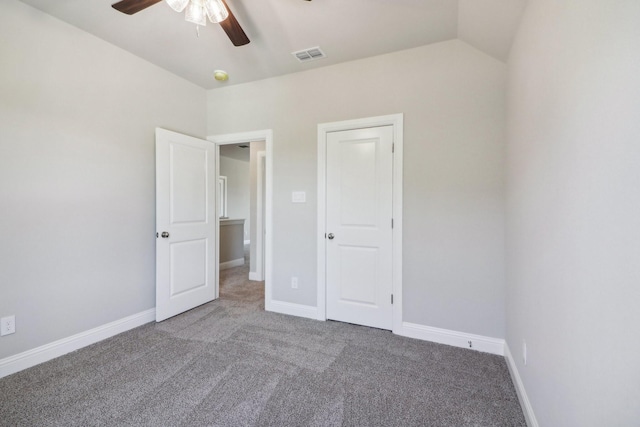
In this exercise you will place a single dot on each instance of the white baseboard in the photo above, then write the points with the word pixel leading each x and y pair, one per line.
pixel 29 358
pixel 233 263
pixel 454 338
pixel 255 276
pixel 520 390
pixel 292 309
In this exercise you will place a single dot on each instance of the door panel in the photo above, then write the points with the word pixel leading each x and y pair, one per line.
pixel 358 182
pixel 185 209
pixel 359 209
pixel 358 273
pixel 188 266
pixel 188 184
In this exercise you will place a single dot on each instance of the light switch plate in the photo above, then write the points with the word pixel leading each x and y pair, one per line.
pixel 298 197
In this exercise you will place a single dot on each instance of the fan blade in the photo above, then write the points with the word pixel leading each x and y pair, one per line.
pixel 232 27
pixel 133 6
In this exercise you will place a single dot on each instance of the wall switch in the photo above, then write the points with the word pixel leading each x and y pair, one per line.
pixel 524 352
pixel 298 197
pixel 294 283
pixel 7 325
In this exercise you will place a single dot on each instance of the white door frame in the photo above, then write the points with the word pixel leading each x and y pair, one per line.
pixel 395 120
pixel 246 137
pixel 222 188
pixel 260 172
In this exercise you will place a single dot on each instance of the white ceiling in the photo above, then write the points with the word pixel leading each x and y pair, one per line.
pixel 489 25
pixel 344 29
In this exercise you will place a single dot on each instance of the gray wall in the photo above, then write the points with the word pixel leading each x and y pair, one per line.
pixel 573 209
pixel 453 100
pixel 77 176
pixel 231 240
pixel 237 173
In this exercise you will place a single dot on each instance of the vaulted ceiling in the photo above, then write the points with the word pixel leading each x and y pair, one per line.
pixel 344 29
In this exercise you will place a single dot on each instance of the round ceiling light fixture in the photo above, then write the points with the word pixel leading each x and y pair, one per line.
pixel 220 75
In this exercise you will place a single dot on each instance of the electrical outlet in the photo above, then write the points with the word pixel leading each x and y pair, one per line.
pixel 294 283
pixel 7 325
pixel 524 352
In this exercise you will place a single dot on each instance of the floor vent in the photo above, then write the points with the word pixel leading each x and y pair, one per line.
pixel 310 54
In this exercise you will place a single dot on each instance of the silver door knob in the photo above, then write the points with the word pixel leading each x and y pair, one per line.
pixel 331 236
pixel 165 234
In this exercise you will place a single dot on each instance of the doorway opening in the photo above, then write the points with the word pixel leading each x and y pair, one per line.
pixel 244 208
pixel 240 278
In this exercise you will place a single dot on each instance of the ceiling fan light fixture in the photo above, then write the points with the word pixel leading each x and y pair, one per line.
pixel 177 5
pixel 195 13
pixel 216 11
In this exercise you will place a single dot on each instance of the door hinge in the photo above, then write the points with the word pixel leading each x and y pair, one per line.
pixel 391 298
pixel 391 222
pixel 393 147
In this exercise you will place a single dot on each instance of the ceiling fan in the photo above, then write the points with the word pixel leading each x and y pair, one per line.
pixel 198 10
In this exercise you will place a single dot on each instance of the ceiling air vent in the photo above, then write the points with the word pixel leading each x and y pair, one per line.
pixel 310 54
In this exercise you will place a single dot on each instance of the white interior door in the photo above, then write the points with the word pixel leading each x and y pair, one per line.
pixel 185 219
pixel 359 211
